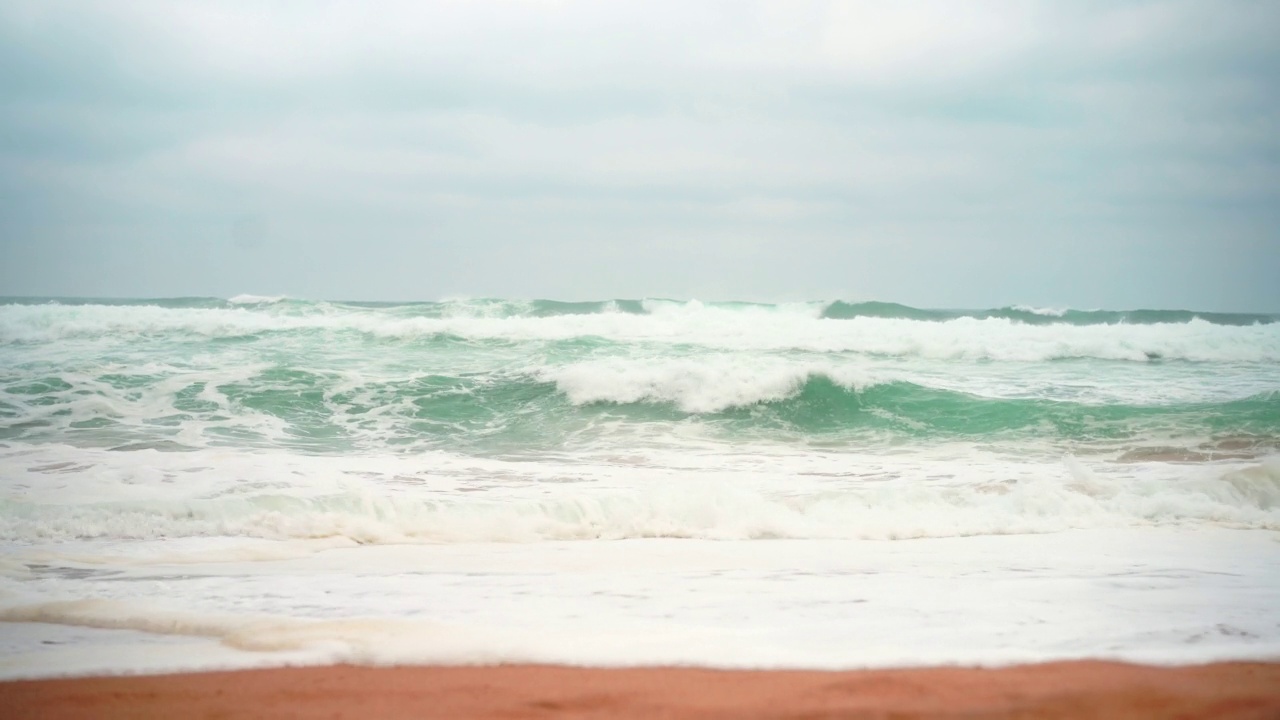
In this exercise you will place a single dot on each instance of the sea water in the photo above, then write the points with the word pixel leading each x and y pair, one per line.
pixel 196 482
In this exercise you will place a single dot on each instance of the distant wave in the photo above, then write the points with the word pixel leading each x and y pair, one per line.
pixel 872 329
pixel 256 299
pixel 832 310
pixel 1044 316
pixel 1049 312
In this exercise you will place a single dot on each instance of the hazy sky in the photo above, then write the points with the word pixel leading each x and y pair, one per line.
pixel 945 154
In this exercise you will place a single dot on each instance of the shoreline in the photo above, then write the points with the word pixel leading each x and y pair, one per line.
pixel 1079 688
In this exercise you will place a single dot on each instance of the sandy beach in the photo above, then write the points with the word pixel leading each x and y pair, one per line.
pixel 1052 690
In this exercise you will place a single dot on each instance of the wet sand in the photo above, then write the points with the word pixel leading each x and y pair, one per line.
pixel 1055 690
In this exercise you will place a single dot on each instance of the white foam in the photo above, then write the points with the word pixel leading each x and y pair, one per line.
pixel 1046 312
pixel 361 640
pixel 749 328
pixel 452 499
pixel 713 382
pixel 246 299
pixel 1146 595
pixel 704 384
pixel 256 633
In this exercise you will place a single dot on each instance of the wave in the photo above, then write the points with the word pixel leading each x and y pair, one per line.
pixel 256 299
pixel 1045 316
pixel 813 400
pixel 547 405
pixel 738 327
pixel 834 310
pixel 1046 312
pixel 899 508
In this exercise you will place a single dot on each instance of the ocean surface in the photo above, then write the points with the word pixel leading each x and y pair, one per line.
pixel 200 482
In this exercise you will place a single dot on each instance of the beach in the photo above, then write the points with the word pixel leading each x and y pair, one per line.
pixel 513 488
pixel 1055 690
pixel 518 358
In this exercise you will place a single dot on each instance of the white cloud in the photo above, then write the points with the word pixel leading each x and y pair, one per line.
pixel 787 127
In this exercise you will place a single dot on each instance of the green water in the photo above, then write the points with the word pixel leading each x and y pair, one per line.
pixel 506 376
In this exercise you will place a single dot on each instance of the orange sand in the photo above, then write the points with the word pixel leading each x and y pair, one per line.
pixel 1055 690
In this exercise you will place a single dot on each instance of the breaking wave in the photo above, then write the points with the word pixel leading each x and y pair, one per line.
pixel 873 329
pixel 1247 496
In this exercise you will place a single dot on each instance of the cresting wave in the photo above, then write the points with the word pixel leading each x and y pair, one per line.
pixel 836 309
pixel 549 405
pixel 710 383
pixel 940 335
pixel 1044 316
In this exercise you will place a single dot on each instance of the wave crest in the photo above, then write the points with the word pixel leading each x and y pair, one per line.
pixel 752 328
pixel 695 385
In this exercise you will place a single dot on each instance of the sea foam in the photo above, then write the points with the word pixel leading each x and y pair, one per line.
pixel 751 328
pixel 726 498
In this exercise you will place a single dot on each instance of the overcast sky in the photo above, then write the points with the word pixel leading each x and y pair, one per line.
pixel 943 154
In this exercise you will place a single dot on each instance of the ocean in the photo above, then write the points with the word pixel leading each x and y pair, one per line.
pixel 197 482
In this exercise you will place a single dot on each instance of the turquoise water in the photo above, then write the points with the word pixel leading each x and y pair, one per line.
pixel 501 377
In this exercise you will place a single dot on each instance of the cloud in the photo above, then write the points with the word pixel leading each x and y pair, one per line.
pixel 797 149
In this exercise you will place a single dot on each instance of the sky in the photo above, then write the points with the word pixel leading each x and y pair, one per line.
pixel 940 154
